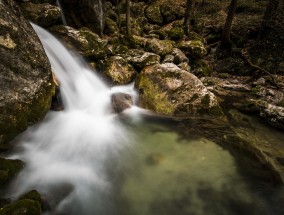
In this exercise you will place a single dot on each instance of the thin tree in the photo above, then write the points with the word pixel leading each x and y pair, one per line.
pixel 128 22
pixel 189 15
pixel 226 42
pixel 268 14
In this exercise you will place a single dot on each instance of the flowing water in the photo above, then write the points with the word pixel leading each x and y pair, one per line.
pixel 87 160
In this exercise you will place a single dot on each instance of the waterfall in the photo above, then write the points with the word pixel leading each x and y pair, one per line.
pixel 64 22
pixel 68 155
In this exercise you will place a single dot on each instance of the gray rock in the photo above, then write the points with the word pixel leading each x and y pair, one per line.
pixel 121 102
pixel 179 56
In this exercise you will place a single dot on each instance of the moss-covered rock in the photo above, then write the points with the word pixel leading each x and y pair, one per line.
pixel 137 9
pixel 88 43
pixel 168 90
pixel 202 68
pixel 117 70
pixel 153 14
pixel 159 47
pixel 194 48
pixel 26 85
pixel 35 196
pixel 22 207
pixel 171 10
pixel 140 59
pixel 176 33
pixel 111 27
pixel 44 15
pixel 9 169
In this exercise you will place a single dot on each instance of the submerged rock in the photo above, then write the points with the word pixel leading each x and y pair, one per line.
pixel 26 84
pixel 168 90
pixel 121 102
pixel 44 15
pixel 117 70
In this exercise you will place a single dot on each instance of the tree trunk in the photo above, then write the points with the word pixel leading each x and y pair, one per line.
pixel 128 22
pixel 189 15
pixel 269 12
pixel 225 38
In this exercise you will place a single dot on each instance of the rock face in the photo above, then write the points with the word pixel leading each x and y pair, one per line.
pixel 166 89
pixel 26 84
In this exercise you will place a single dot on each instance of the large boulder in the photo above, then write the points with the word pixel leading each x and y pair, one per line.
pixel 117 70
pixel 166 89
pixel 26 85
pixel 44 15
pixel 88 43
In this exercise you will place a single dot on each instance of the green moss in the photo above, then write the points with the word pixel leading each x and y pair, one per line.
pixel 22 207
pixel 9 169
pixel 176 33
pixel 153 96
pixel 32 195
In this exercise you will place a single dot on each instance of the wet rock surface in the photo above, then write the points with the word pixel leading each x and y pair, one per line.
pixel 121 102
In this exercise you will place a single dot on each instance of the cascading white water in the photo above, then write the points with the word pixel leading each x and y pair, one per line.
pixel 70 150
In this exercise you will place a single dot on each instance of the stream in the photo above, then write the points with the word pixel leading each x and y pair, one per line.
pixel 88 160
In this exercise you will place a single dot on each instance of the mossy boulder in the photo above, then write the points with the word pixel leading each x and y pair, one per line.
pixel 9 169
pixel 111 27
pixel 88 43
pixel 176 33
pixel 35 196
pixel 168 90
pixel 140 59
pixel 117 70
pixel 22 207
pixel 153 14
pixel 171 10
pixel 159 47
pixel 44 15
pixel 26 86
pixel 195 49
pixel 137 9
